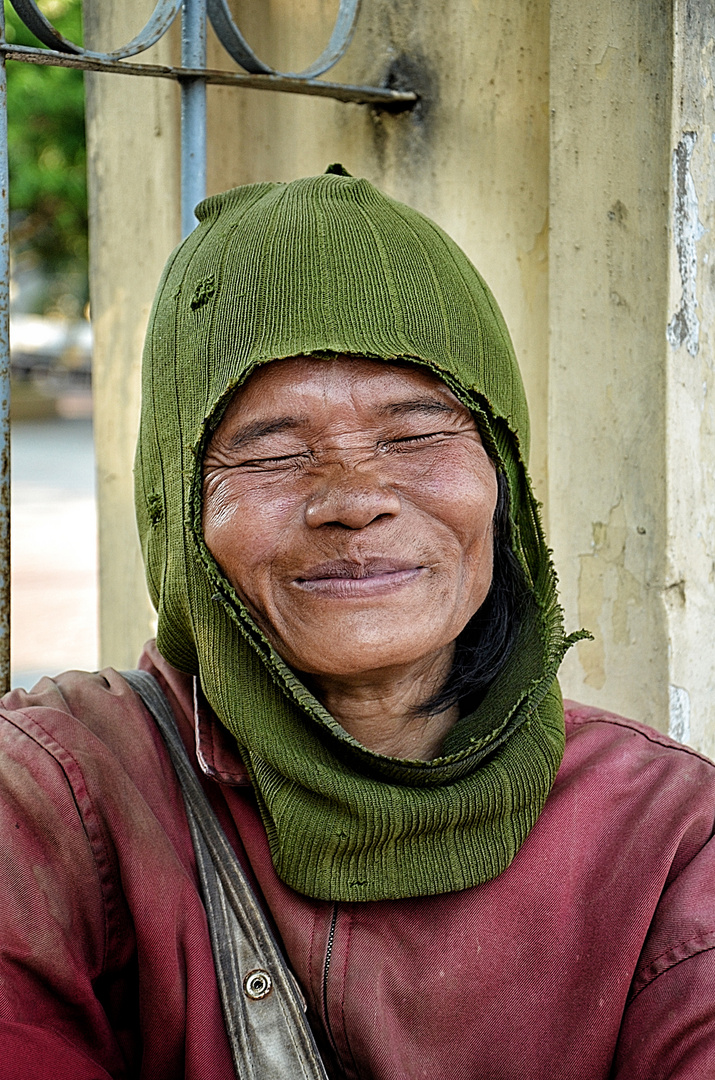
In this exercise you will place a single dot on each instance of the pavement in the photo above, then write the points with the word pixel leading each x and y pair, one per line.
pixel 54 549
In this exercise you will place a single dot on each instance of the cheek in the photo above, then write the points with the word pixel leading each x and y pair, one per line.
pixel 477 527
pixel 464 499
pixel 246 528
pixel 471 516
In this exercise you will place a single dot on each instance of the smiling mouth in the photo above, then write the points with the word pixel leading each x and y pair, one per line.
pixel 344 579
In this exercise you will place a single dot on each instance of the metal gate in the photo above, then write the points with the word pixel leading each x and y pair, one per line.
pixel 193 76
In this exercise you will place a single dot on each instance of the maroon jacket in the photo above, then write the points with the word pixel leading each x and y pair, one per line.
pixel 591 957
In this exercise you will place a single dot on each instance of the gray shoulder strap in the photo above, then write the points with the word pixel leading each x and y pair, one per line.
pixel 262 1005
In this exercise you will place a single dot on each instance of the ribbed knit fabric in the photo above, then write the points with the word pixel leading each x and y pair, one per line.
pixel 324 266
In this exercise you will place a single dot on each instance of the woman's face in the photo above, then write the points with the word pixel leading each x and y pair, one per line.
pixel 350 503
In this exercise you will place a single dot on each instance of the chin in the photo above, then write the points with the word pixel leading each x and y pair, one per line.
pixel 356 660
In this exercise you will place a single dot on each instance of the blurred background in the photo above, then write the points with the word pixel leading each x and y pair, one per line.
pixel 54 551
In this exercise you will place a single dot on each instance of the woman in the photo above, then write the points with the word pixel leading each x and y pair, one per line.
pixel 358 636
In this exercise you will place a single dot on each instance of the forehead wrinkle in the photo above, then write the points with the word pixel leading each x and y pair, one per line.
pixel 260 428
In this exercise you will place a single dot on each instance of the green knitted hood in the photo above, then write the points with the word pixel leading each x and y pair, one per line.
pixel 323 266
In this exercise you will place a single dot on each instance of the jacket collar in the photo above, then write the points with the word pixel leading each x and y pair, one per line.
pixel 216 749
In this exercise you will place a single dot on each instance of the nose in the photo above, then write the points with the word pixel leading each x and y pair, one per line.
pixel 350 500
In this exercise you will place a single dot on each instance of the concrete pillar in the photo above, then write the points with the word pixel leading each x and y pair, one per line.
pixel 132 130
pixel 608 296
pixel 630 449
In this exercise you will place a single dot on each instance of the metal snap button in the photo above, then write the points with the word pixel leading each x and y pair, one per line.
pixel 257 984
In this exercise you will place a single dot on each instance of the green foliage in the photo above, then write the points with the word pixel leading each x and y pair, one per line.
pixel 47 158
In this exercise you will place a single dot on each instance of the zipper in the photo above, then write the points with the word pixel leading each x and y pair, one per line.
pixel 328 955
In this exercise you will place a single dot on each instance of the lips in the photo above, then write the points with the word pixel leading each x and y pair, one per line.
pixel 351 568
pixel 346 578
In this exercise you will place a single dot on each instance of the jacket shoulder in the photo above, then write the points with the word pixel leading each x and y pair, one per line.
pixel 611 727
pixel 89 734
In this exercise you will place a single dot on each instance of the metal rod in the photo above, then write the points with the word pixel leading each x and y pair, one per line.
pixel 193 112
pixel 284 84
pixel 4 381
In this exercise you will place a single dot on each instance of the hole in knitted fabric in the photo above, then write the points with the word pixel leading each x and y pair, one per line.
pixel 155 507
pixel 203 292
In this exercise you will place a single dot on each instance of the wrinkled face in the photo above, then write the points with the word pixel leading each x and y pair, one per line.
pixel 350 503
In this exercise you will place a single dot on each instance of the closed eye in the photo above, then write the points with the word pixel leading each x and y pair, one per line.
pixel 267 462
pixel 408 441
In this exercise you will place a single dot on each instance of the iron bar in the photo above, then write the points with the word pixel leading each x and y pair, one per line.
pixel 193 112
pixel 4 381
pixel 285 84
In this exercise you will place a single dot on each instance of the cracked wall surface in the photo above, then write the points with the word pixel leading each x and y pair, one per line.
pixel 610 595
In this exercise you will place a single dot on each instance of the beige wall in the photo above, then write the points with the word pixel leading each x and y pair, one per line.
pixel 630 415
pixel 544 144
pixel 608 291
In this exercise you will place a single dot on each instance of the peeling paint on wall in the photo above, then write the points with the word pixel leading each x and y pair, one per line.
pixel 684 327
pixel 679 722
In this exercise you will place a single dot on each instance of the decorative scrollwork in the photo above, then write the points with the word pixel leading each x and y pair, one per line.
pixel 236 45
pixel 159 22
pixel 222 21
